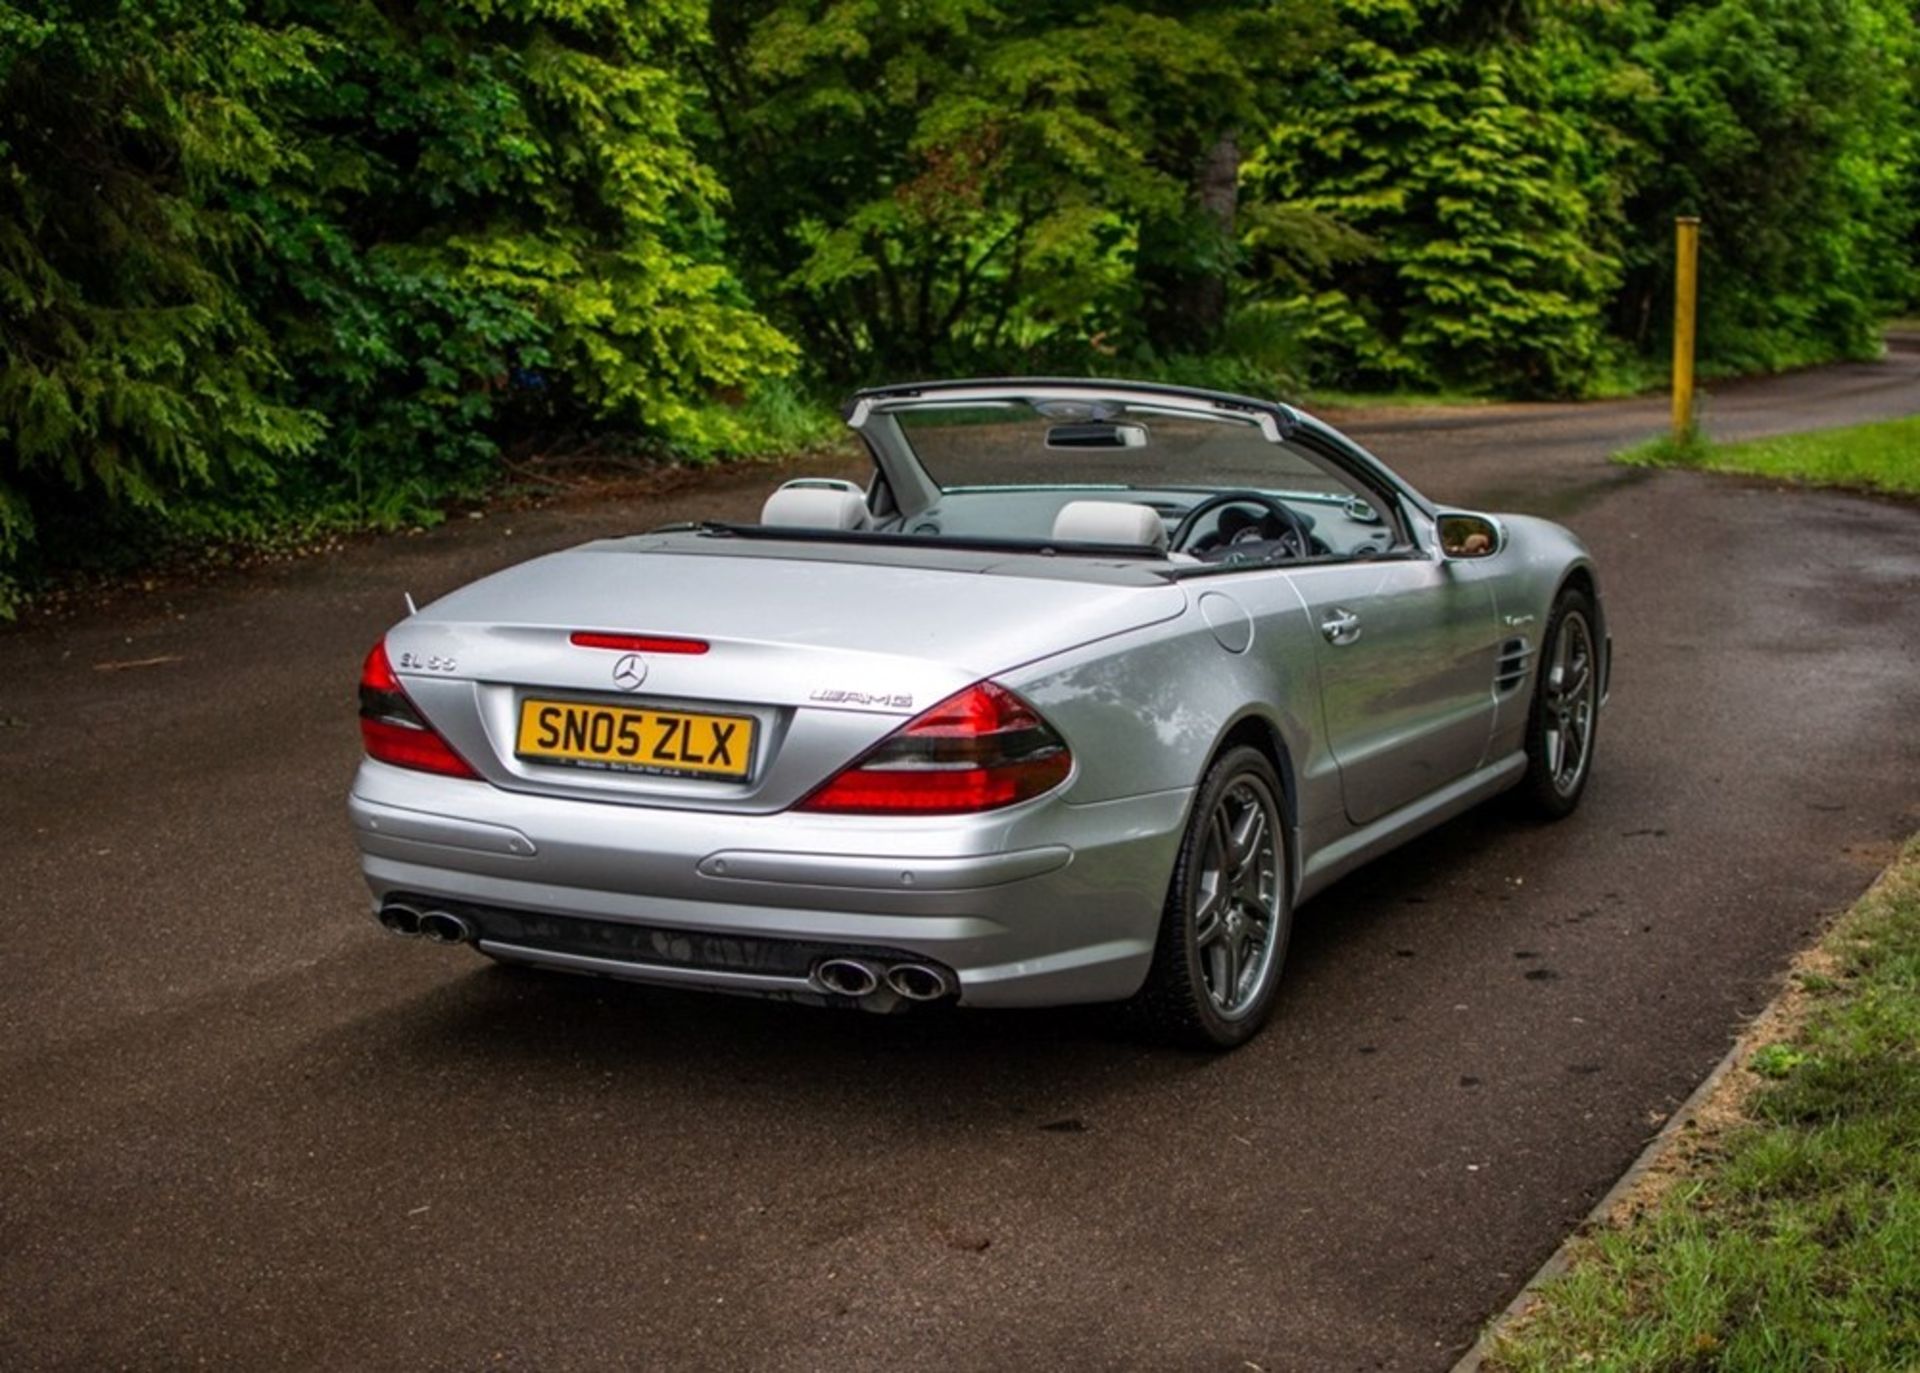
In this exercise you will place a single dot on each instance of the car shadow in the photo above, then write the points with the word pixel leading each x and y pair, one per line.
pixel 561 1038
pixel 1415 886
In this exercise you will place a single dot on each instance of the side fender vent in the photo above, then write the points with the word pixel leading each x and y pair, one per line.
pixel 1516 655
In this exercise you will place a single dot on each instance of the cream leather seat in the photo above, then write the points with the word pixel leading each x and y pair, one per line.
pixel 816 505
pixel 1118 522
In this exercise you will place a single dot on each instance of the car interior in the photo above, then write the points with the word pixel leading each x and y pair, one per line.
pixel 1153 481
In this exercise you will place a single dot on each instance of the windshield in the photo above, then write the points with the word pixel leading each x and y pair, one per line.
pixel 1103 444
pixel 1183 477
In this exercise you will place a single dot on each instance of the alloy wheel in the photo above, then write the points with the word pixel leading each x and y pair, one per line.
pixel 1572 688
pixel 1237 899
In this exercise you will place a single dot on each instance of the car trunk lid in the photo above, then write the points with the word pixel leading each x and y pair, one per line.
pixel 824 657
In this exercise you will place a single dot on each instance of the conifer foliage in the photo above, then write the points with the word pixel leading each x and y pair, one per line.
pixel 133 363
pixel 1451 162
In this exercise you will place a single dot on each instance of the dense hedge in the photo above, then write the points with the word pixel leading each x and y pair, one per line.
pixel 315 261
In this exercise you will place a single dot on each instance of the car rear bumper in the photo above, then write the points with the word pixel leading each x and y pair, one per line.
pixel 1044 904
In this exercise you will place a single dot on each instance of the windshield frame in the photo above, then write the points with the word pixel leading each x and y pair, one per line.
pixel 908 488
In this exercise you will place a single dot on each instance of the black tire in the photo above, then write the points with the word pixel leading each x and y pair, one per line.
pixel 1177 1002
pixel 1551 789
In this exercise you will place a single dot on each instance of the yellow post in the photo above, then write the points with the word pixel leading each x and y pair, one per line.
pixel 1686 291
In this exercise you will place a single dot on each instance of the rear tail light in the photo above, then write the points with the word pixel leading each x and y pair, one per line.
pixel 980 750
pixel 392 728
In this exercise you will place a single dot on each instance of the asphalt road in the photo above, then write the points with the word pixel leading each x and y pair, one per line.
pixel 244 1127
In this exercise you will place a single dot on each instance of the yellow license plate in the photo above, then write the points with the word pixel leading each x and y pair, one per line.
pixel 632 739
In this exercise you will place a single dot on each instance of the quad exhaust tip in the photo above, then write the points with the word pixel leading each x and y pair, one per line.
pixel 443 927
pixel 858 978
pixel 918 982
pixel 437 927
pixel 846 976
pixel 849 977
pixel 401 919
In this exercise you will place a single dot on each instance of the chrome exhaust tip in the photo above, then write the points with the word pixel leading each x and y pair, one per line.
pixel 401 919
pixel 918 982
pixel 443 927
pixel 845 977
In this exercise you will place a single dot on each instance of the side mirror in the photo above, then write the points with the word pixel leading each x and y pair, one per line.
pixel 1465 536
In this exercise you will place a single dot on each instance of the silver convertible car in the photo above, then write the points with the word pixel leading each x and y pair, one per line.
pixel 1076 700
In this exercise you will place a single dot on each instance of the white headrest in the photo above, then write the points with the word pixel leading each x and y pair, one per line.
pixel 1110 522
pixel 816 507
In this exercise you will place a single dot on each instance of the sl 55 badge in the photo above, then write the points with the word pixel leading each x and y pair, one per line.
pixel 426 662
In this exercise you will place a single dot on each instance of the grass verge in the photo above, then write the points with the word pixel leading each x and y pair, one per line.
pixel 1883 457
pixel 1787 1237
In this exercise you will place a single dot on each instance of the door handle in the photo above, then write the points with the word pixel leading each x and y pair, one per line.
pixel 1341 627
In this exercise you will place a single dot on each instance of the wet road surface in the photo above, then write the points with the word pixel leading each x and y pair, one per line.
pixel 244 1127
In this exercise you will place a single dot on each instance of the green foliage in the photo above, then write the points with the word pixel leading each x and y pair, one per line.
pixel 1480 268
pixel 1669 450
pixel 1512 174
pixel 1789 127
pixel 970 182
pixel 133 367
pixel 434 226
pixel 502 220
pixel 275 266
pixel 1776 1060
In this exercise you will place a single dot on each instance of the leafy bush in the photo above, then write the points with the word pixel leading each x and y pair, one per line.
pixel 1513 176
pixel 501 209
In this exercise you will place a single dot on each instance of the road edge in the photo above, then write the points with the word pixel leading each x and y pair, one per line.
pixel 1656 1148
pixel 1747 1036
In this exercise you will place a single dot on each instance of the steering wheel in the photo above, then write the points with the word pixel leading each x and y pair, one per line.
pixel 1295 539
